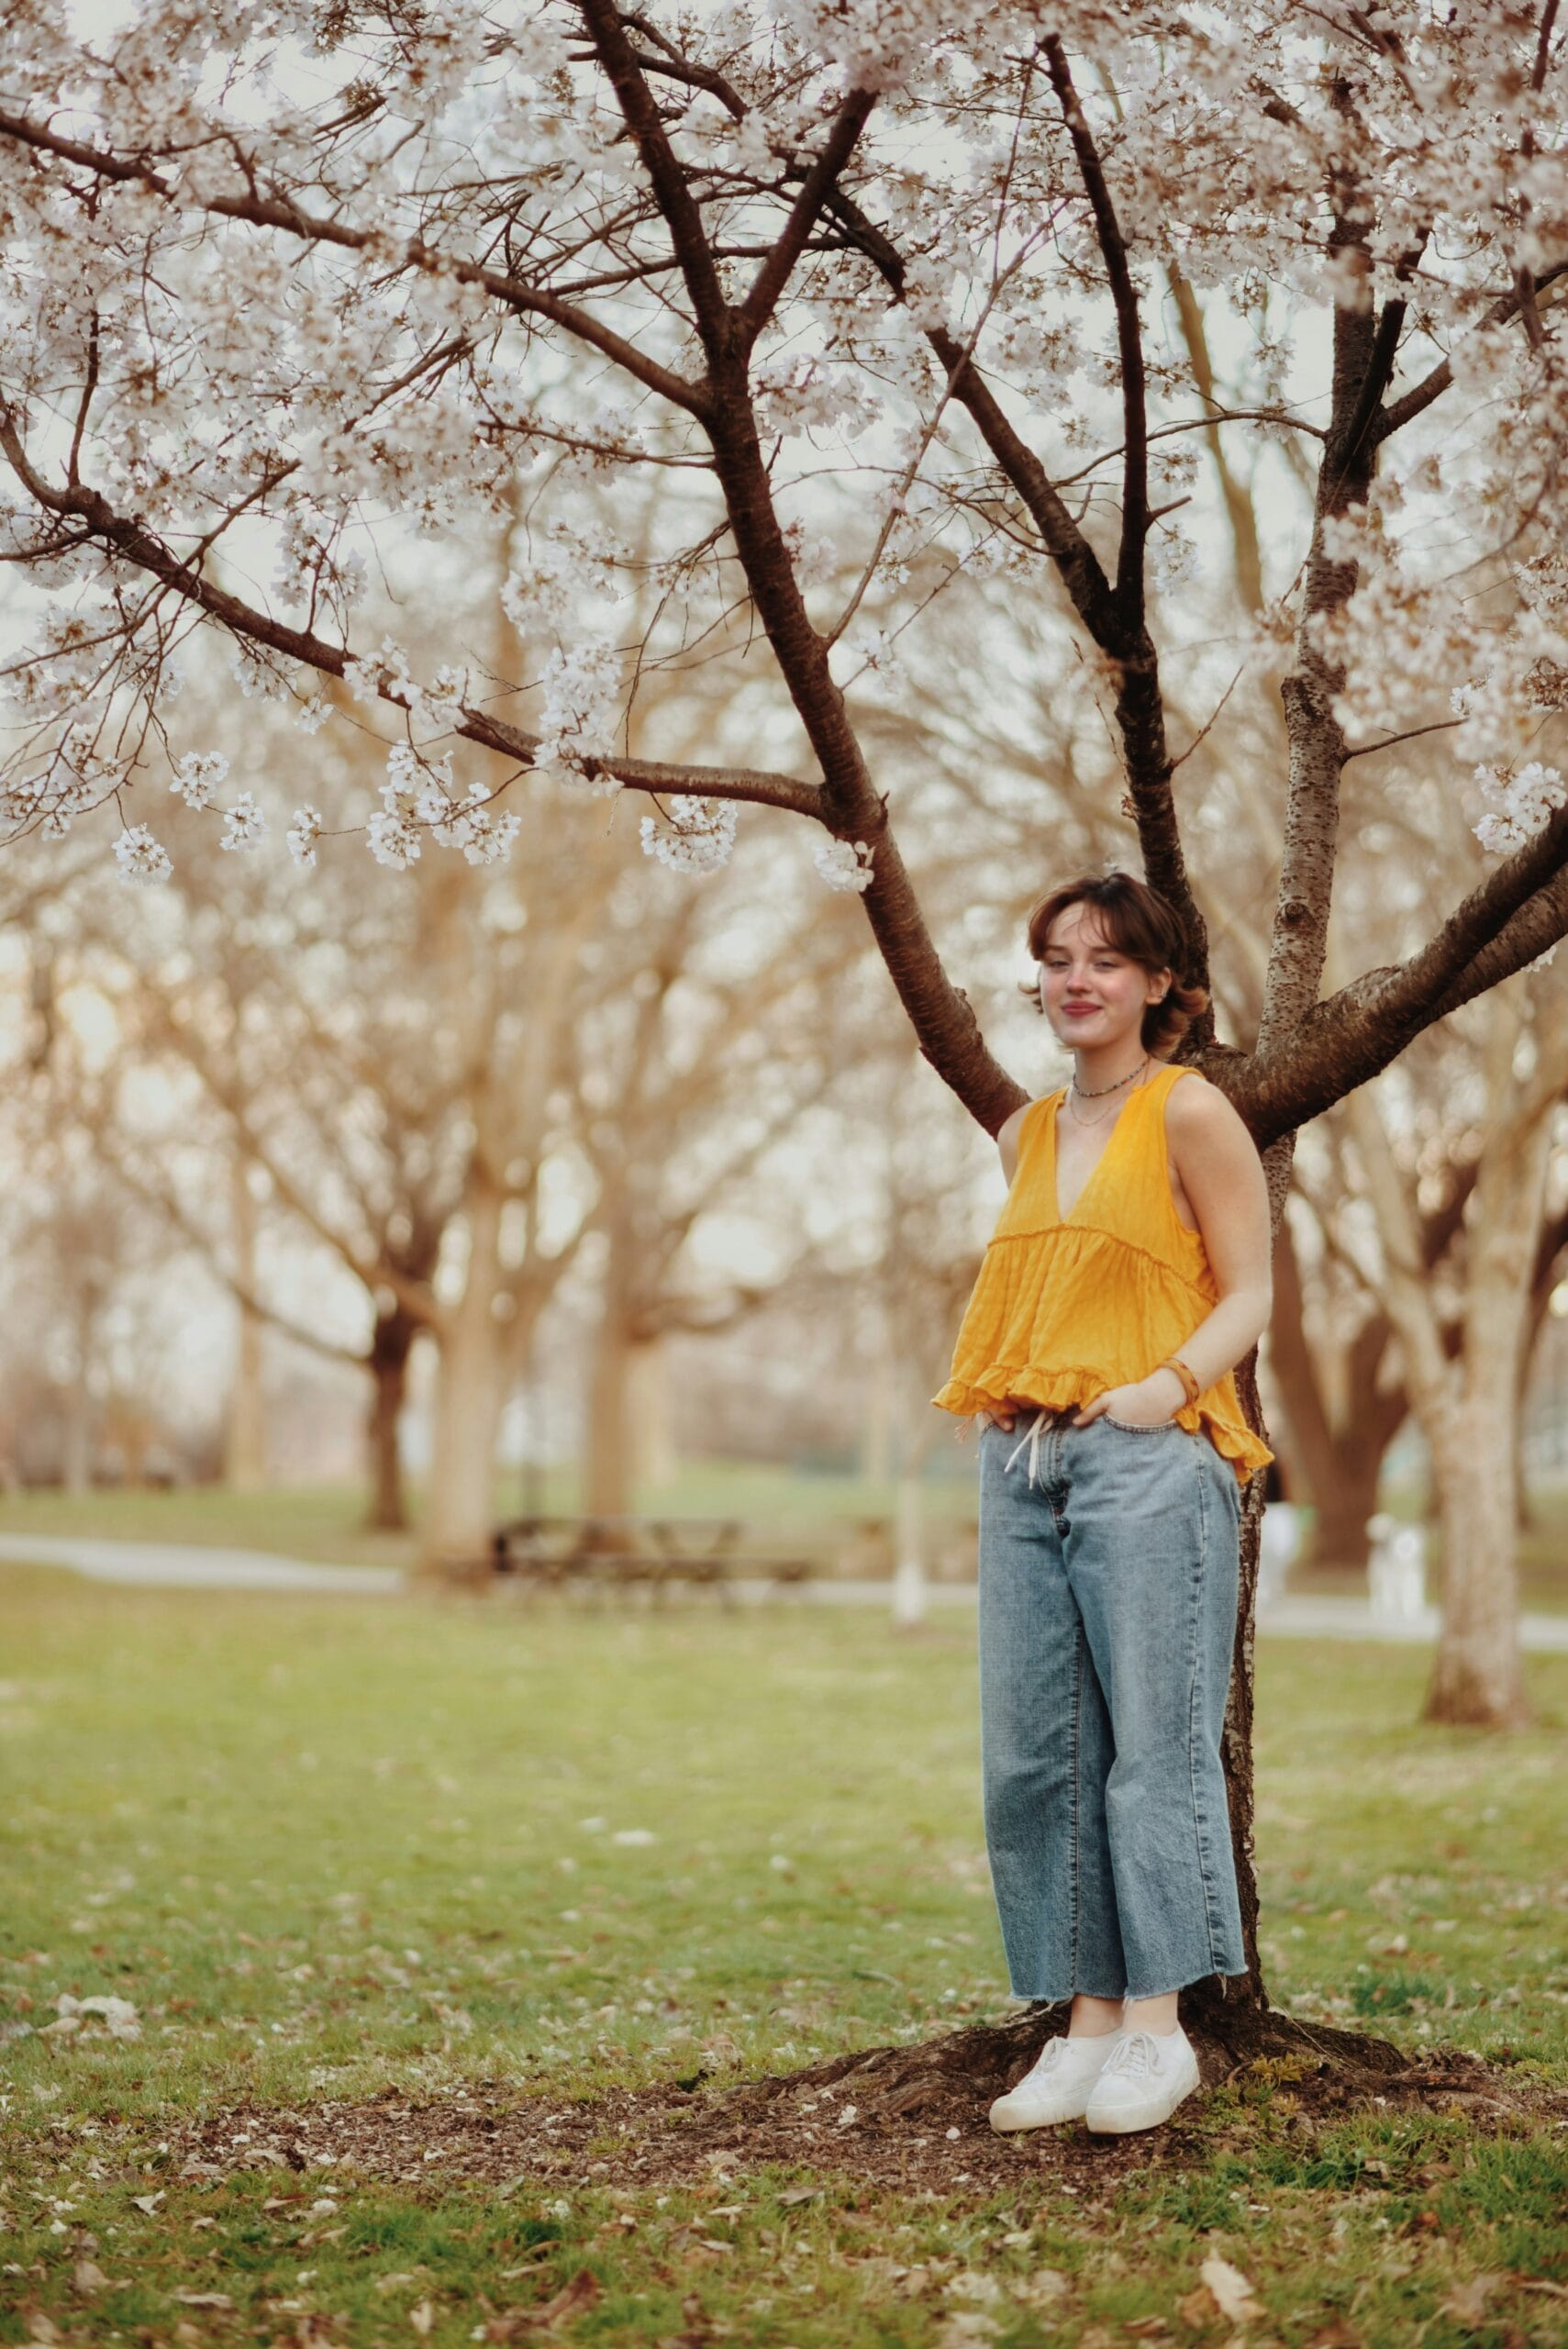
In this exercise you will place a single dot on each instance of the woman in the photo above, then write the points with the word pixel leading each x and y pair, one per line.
pixel 1128 1274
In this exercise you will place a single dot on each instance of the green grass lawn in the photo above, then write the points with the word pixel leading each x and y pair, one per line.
pixel 325 1847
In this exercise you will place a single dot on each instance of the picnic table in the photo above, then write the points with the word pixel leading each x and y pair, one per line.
pixel 610 1553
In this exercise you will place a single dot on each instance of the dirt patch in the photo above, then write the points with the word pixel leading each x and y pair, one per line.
pixel 907 2118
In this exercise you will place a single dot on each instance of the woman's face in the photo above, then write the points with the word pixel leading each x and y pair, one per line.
pixel 1092 993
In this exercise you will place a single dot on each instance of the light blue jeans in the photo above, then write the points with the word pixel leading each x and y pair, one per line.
pixel 1108 1580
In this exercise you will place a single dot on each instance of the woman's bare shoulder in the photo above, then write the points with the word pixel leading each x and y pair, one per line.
pixel 1203 1113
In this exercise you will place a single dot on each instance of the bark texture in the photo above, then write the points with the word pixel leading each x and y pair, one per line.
pixel 470 1397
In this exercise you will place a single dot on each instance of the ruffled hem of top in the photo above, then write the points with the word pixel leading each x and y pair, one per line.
pixel 1055 1389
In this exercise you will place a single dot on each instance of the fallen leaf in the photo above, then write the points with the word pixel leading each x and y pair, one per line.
pixel 1232 2293
pixel 582 2292
pixel 41 2327
pixel 1467 2301
pixel 188 2334
pixel 1143 2328
pixel 202 2299
pixel 799 2194
pixel 88 2276
pixel 1196 2307
pixel 394 2283
pixel 422 2317
pixel 1047 2284
pixel 150 2202
pixel 967 2326
pixel 969 2284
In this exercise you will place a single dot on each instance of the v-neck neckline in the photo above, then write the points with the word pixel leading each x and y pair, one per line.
pixel 1059 1100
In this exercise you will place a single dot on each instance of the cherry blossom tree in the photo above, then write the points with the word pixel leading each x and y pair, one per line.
pixel 309 289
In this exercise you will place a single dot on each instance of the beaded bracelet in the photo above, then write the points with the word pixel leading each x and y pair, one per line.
pixel 1189 1383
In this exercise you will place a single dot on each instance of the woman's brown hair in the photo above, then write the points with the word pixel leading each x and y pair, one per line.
pixel 1144 926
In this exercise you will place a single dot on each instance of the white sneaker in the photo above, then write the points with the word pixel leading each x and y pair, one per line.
pixel 1057 2086
pixel 1143 2080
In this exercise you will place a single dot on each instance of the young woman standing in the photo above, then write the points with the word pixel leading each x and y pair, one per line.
pixel 1127 1274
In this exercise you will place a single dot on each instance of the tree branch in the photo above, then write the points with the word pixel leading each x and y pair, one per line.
pixel 138 545
pixel 1129 339
pixel 1507 920
pixel 163 1202
pixel 815 188
pixel 671 191
pixel 1140 716
pixel 283 214
pixel 1421 396
pixel 1363 357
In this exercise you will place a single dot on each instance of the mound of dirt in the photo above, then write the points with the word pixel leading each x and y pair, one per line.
pixel 909 2118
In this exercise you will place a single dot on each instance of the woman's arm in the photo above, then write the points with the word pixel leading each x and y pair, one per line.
pixel 1217 1164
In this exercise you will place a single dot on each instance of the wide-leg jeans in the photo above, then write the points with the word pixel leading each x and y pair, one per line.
pixel 1108 1585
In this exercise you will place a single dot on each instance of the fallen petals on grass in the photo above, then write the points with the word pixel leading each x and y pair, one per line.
pixel 119 2017
pixel 1232 2293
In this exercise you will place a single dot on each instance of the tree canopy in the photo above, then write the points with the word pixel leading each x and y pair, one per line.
pixel 888 296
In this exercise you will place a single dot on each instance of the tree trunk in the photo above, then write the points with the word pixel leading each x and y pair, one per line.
pixel 877 1425
pixel 470 1394
pixel 1339 1439
pixel 607 1476
pixel 1477 1673
pixel 1339 1537
pixel 1476 1676
pixel 1215 2001
pixel 387 1510
pixel 609 1470
pixel 76 1461
pixel 654 1460
pixel 245 1430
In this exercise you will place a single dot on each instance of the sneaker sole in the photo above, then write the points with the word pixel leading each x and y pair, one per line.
pixel 1046 2121
pixel 1076 2103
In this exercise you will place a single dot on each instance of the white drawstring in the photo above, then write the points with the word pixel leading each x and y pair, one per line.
pixel 1032 1440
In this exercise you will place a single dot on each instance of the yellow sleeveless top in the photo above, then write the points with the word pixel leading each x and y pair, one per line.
pixel 1064 1309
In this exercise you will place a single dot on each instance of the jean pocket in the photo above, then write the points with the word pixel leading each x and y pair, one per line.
pixel 1130 1426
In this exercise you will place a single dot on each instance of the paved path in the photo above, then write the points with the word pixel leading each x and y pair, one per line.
pixel 177 1566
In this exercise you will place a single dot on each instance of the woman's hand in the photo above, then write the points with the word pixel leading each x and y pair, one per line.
pixel 1147 1403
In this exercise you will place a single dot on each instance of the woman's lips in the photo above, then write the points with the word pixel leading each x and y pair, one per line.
pixel 1080 1010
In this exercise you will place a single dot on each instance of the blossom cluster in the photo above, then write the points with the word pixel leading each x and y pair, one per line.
pixel 1523 803
pixel 691 834
pixel 844 864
